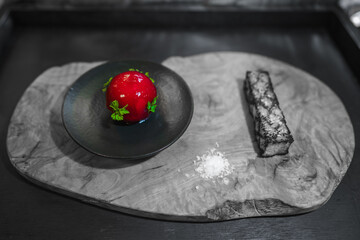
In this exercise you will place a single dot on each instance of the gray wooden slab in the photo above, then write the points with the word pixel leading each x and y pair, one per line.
pixel 168 186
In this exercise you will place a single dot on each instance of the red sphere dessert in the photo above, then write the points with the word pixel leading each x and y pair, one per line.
pixel 130 96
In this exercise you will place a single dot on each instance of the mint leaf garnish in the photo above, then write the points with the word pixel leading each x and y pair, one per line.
pixel 107 84
pixel 118 114
pixel 135 69
pixel 154 100
pixel 151 106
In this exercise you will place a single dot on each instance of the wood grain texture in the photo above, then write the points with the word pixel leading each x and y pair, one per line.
pixel 167 186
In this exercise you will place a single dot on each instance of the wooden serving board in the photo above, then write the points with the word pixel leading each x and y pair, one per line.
pixel 170 185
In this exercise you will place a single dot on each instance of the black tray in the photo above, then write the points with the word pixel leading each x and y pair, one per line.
pixel 319 40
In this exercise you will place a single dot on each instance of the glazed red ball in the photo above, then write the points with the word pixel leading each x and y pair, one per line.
pixel 133 89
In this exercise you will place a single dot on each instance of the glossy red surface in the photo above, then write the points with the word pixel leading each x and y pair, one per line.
pixel 133 89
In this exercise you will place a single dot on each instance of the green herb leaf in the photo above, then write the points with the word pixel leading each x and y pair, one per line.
pixel 151 106
pixel 132 69
pixel 123 111
pixel 114 105
pixel 154 100
pixel 106 84
pixel 118 114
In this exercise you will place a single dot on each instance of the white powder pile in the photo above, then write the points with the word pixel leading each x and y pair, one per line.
pixel 213 164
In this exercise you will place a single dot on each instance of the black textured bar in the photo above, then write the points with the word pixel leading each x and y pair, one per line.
pixel 272 134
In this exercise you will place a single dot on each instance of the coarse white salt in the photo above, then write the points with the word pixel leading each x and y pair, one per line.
pixel 213 164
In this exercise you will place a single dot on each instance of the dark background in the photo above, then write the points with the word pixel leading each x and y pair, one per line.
pixel 32 43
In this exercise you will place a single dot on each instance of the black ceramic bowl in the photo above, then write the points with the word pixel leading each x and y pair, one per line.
pixel 88 121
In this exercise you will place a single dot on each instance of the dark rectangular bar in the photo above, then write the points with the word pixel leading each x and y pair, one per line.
pixel 272 134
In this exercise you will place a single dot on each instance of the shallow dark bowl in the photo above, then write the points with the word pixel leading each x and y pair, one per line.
pixel 88 121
